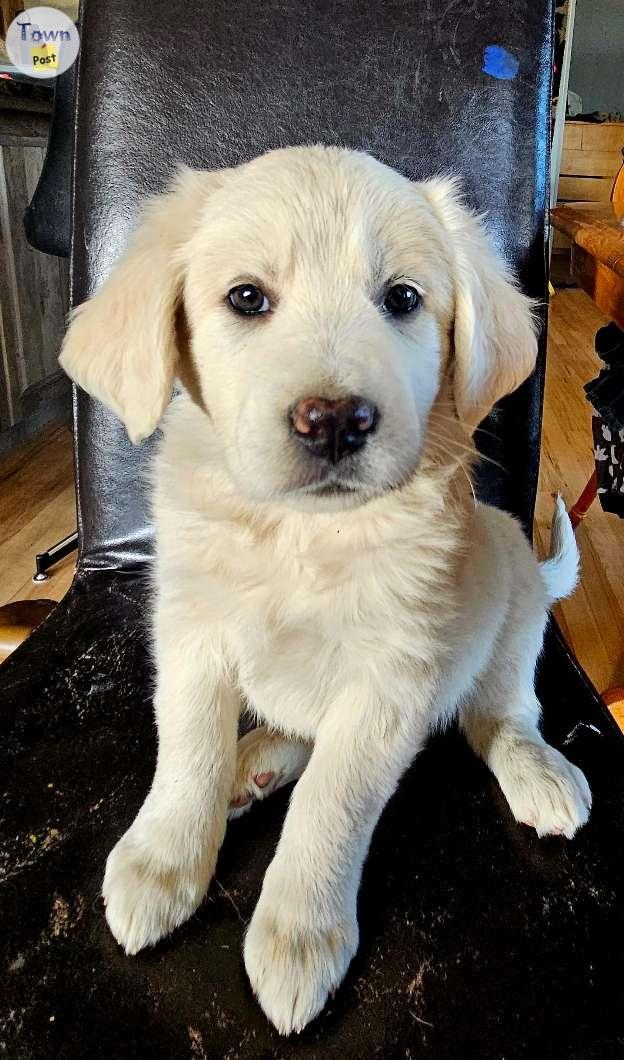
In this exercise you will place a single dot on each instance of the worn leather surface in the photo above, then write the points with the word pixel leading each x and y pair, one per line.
pixel 478 939
pixel 47 220
pixel 216 83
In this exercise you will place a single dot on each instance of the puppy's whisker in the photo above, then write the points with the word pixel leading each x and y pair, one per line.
pixel 477 456
pixel 453 420
pixel 460 465
pixel 460 446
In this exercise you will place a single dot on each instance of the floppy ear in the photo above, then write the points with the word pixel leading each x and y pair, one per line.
pixel 121 343
pixel 494 328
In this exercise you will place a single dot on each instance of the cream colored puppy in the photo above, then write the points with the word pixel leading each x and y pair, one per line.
pixel 338 332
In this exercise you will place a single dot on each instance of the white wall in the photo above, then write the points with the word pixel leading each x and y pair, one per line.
pixel 597 65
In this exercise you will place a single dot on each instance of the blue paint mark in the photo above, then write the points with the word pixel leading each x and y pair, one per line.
pixel 499 63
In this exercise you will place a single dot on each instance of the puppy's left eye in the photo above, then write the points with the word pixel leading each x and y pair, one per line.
pixel 401 298
pixel 248 299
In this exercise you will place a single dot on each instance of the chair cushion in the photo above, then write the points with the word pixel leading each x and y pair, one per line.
pixel 478 939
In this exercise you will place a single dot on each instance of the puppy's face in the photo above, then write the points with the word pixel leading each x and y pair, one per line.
pixel 320 300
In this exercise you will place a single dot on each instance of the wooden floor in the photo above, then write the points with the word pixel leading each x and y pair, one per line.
pixel 37 509
pixel 592 619
pixel 37 501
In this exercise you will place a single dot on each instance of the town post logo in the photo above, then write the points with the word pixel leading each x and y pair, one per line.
pixel 42 42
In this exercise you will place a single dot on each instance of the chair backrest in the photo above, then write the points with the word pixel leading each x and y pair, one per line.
pixel 47 220
pixel 425 87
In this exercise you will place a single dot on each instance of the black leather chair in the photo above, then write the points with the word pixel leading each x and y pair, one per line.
pixel 478 939
pixel 47 221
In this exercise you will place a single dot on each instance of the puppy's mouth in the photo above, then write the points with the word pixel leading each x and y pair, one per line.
pixel 332 489
pixel 324 479
pixel 329 495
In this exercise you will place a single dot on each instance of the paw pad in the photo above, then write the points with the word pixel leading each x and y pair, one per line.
pixel 261 780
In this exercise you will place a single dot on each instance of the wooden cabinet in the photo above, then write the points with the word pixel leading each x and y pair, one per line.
pixel 34 295
pixel 592 155
pixel 591 158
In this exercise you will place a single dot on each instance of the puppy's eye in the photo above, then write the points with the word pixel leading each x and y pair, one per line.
pixel 248 299
pixel 401 298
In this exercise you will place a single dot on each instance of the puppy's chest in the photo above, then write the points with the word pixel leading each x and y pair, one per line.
pixel 303 623
pixel 277 596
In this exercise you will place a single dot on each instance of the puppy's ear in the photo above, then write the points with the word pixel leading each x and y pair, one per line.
pixel 494 328
pixel 121 343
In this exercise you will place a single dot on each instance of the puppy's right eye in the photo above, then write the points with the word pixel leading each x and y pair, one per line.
pixel 402 298
pixel 248 299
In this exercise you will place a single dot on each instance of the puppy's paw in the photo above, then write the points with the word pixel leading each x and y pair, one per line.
pixel 265 762
pixel 544 790
pixel 293 968
pixel 146 899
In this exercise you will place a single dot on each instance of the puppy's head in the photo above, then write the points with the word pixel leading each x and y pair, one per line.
pixel 312 301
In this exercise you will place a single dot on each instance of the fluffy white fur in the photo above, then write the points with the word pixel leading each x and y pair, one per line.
pixel 351 623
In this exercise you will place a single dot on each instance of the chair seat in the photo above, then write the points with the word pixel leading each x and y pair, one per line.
pixel 478 939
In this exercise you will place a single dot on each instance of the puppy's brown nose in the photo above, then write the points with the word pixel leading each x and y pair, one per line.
pixel 333 429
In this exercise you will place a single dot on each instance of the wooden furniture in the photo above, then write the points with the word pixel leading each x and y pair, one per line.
pixel 591 157
pixel 18 620
pixel 34 295
pixel 597 264
pixel 617 195
pixel 8 10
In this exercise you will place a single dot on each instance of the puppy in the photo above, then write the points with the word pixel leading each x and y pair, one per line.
pixel 338 332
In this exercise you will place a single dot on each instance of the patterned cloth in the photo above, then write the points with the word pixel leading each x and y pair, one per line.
pixel 606 394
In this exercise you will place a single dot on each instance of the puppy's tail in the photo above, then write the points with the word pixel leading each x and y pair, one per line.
pixel 561 570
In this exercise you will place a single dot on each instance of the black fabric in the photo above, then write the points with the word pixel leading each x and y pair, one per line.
pixel 609 460
pixel 477 938
pixel 47 220
pixel 606 394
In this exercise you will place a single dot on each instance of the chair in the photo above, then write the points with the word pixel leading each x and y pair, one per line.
pixel 478 939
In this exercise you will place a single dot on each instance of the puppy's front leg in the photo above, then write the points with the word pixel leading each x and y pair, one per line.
pixel 159 871
pixel 304 930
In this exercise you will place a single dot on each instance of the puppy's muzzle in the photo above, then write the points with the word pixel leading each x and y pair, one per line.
pixel 331 429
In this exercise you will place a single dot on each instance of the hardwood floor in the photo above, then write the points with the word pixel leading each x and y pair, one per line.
pixel 37 509
pixel 592 619
pixel 37 501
